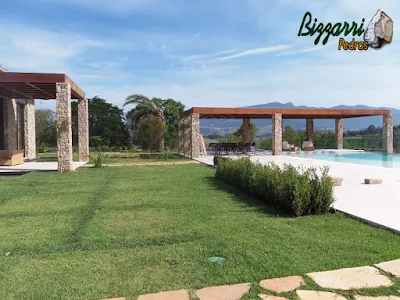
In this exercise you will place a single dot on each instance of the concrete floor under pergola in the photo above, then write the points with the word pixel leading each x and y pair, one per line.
pixel 47 86
pixel 189 124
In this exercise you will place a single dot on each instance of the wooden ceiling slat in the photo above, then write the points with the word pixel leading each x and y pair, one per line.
pixel 287 113
pixel 36 85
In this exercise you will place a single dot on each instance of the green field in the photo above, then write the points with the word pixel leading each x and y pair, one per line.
pixel 126 231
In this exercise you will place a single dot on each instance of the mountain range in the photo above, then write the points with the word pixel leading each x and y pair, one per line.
pixel 222 127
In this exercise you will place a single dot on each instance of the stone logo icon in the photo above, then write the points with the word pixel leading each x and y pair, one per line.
pixel 379 31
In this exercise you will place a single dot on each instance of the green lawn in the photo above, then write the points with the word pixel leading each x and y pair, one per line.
pixel 123 157
pixel 125 231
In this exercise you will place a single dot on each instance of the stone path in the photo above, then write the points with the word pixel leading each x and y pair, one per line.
pixel 347 281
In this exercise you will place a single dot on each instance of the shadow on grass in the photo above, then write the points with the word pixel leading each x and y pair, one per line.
pixel 245 199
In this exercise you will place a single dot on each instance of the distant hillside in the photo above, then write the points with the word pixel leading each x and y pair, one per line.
pixel 264 126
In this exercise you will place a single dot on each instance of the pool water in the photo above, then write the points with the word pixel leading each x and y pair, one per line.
pixel 362 158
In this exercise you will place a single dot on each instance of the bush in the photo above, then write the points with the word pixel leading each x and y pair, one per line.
pixel 298 191
pixel 98 160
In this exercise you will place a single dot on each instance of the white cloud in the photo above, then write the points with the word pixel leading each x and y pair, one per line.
pixel 33 49
pixel 299 51
pixel 256 51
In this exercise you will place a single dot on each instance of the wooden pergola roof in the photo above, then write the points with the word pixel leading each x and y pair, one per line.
pixel 35 85
pixel 287 113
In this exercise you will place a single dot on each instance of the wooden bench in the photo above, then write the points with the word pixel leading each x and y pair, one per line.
pixel 11 157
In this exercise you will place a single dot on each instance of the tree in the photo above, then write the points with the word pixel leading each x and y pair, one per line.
pixel 167 111
pixel 145 107
pixel 105 120
pixel 46 131
pixel 238 135
pixel 253 131
pixel 149 132
pixel 289 135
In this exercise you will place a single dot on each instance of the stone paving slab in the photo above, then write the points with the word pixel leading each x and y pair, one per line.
pixel 314 295
pixel 283 284
pixel 358 297
pixel 270 297
pixel 171 295
pixel 391 267
pixel 224 292
pixel 351 278
pixel 120 298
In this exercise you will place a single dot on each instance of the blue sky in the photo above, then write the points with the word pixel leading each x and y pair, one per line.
pixel 201 52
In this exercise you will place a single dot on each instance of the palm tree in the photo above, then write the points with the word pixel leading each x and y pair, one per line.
pixel 144 108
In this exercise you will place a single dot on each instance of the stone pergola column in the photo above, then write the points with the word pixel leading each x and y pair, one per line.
pixel 194 135
pixel 64 130
pixel 387 143
pixel 339 133
pixel 277 134
pixel 29 129
pixel 310 130
pixel 10 124
pixel 246 127
pixel 83 129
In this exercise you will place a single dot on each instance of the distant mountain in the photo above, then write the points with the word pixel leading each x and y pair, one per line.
pixel 264 126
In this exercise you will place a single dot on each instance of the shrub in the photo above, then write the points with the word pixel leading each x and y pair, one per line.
pixel 98 160
pixel 298 191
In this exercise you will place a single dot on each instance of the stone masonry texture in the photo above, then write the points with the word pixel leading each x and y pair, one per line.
pixel 277 134
pixel 339 133
pixel 10 124
pixel 184 135
pixel 83 130
pixel 30 129
pixel 310 129
pixel 194 136
pixel 387 143
pixel 64 130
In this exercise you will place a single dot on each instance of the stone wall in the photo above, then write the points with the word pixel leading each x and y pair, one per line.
pixel 387 143
pixel 310 129
pixel 29 129
pixel 64 130
pixel 10 124
pixel 277 134
pixel 194 136
pixel 339 133
pixel 83 130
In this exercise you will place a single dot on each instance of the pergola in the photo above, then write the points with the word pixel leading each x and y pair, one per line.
pixel 189 125
pixel 45 86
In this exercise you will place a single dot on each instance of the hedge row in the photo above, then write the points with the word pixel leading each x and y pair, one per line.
pixel 298 191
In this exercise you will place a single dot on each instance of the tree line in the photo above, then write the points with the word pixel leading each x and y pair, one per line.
pixel 152 124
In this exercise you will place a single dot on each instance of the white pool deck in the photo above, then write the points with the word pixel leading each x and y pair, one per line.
pixel 37 166
pixel 376 204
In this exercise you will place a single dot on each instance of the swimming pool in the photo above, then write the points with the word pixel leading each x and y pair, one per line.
pixel 354 157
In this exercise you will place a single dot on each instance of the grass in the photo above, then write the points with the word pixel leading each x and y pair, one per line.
pixel 100 233
pixel 124 157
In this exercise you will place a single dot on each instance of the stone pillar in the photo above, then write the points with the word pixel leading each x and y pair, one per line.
pixel 387 143
pixel 10 124
pixel 83 130
pixel 30 129
pixel 339 133
pixel 310 130
pixel 277 134
pixel 181 136
pixel 246 126
pixel 64 130
pixel 194 135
